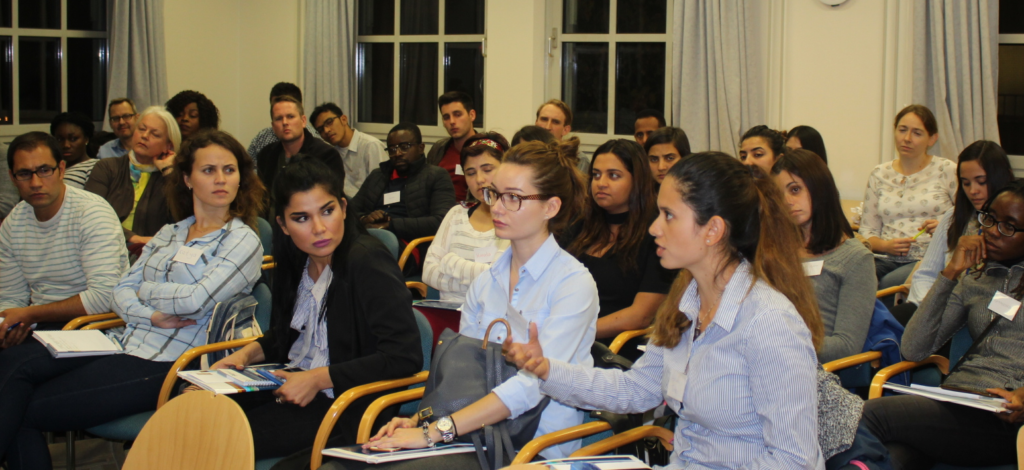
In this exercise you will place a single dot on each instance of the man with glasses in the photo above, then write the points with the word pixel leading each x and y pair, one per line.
pixel 405 194
pixel 360 153
pixel 122 122
pixel 62 249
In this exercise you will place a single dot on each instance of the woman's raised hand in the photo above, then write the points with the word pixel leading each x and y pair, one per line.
pixel 528 356
pixel 969 252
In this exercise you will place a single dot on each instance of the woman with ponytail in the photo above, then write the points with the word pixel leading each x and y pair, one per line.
pixel 733 350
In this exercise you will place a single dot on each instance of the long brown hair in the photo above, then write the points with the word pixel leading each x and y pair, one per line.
pixel 554 174
pixel 758 229
pixel 248 203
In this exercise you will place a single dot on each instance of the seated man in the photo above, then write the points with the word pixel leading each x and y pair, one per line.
pixel 457 114
pixel 405 195
pixel 647 121
pixel 62 249
pixel 122 120
pixel 360 153
pixel 556 117
pixel 267 136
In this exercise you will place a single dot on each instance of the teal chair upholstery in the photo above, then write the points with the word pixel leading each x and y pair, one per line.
pixel 427 344
pixel 388 239
pixel 266 233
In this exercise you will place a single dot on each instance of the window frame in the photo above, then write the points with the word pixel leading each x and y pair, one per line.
pixel 1016 161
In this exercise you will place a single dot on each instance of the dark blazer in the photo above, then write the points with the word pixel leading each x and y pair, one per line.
pixel 272 159
pixel 111 179
pixel 428 195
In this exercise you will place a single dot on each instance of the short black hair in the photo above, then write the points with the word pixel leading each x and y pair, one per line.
pixel 29 141
pixel 531 134
pixel 317 111
pixel 654 113
pixel 286 89
pixel 453 96
pixel 408 126
pixel 78 119
pixel 209 116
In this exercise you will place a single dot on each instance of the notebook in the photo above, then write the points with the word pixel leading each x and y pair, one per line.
pixel 357 452
pixel 994 405
pixel 228 381
pixel 600 462
pixel 77 343
pixel 441 304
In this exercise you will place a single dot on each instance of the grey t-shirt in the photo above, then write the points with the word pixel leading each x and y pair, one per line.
pixel 846 298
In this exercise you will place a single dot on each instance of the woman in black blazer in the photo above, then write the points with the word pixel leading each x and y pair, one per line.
pixel 342 313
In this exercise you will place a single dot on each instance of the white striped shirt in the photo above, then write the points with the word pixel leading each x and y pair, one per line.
pixel 745 391
pixel 450 265
pixel 77 175
pixel 311 350
pixel 79 251
pixel 230 263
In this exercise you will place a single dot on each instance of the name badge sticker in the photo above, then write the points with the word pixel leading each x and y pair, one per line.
pixel 485 254
pixel 1004 305
pixel 188 255
pixel 392 197
pixel 458 169
pixel 813 268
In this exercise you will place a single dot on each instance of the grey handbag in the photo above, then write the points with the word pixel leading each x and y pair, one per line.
pixel 464 370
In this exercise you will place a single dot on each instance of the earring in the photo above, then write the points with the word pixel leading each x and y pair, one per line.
pixel 189 187
pixel 708 241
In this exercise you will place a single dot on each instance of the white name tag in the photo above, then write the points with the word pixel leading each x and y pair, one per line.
pixel 1004 305
pixel 188 255
pixel 458 169
pixel 813 268
pixel 392 197
pixel 486 254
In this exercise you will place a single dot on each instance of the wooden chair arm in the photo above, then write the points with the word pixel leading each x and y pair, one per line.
pixel 884 375
pixel 103 325
pixel 1020 448
pixel 607 445
pixel 418 286
pixel 855 360
pixel 534 447
pixel 346 399
pixel 266 266
pixel 407 252
pixel 190 355
pixel 625 336
pixel 900 289
pixel 78 322
pixel 379 405
pixel 268 258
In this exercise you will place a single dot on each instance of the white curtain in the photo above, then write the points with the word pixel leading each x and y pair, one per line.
pixel 956 68
pixel 138 64
pixel 718 88
pixel 329 55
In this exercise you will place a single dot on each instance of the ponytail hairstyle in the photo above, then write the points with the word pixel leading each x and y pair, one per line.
pixel 554 174
pixel 758 229
pixel 998 174
pixel 828 221
pixel 810 139
pixel 642 208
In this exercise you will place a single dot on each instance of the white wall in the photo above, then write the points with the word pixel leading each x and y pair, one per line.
pixel 514 70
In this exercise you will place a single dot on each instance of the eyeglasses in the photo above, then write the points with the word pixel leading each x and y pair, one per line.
pixel 404 147
pixel 512 202
pixel 123 117
pixel 326 123
pixel 43 172
pixel 988 220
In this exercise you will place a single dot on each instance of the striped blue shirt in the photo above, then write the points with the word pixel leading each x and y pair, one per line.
pixel 311 350
pixel 79 251
pixel 230 263
pixel 557 293
pixel 745 390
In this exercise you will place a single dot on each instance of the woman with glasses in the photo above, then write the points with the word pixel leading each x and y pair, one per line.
pixel 73 131
pixel 984 272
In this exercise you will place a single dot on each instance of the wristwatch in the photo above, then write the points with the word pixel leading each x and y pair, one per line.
pixel 447 428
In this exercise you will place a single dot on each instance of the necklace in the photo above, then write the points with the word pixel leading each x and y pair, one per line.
pixel 701 318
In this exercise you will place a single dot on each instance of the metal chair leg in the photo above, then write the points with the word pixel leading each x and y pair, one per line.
pixel 70 450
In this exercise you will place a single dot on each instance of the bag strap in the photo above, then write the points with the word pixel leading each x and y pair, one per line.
pixel 487 334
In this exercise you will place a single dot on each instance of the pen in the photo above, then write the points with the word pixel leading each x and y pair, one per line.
pixel 920 233
pixel 13 326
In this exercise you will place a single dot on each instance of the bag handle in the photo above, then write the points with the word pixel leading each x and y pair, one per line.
pixel 487 334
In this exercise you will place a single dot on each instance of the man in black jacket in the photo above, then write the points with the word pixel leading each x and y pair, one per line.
pixel 405 195
pixel 457 114
pixel 289 122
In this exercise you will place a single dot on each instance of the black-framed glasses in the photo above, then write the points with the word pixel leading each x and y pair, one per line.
pixel 327 122
pixel 404 147
pixel 511 201
pixel 988 220
pixel 43 172
pixel 123 117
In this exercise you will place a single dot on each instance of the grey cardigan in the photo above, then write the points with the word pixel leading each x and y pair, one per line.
pixel 846 298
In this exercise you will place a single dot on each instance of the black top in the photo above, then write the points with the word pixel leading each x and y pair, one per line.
pixel 616 289
pixel 426 194
pixel 272 159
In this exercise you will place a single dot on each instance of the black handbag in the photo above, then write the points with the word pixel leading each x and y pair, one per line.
pixel 464 370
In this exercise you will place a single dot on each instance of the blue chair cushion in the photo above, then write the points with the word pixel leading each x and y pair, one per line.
pixel 265 464
pixel 122 429
pixel 388 239
pixel 266 235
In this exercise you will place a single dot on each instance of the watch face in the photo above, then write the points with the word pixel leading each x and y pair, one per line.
pixel 444 424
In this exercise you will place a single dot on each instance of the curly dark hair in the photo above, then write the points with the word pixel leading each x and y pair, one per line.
pixel 209 116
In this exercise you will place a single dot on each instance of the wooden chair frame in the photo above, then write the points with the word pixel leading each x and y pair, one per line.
pixel 607 445
pixel 407 252
pixel 884 375
pixel 625 336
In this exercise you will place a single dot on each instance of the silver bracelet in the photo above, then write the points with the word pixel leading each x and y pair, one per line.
pixel 426 434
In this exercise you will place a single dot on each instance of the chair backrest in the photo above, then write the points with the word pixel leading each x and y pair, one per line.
pixel 195 430
pixel 427 343
pixel 959 345
pixel 388 239
pixel 262 294
pixel 266 233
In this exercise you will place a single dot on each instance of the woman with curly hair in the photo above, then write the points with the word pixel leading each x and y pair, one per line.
pixel 193 111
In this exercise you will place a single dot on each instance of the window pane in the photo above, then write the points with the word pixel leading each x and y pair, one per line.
pixel 585 85
pixel 39 14
pixel 464 71
pixel 87 76
pixel 641 16
pixel 1011 17
pixel 376 17
pixel 585 16
pixel 419 17
pixel 1010 114
pixel 375 70
pixel 5 14
pixel 87 15
pixel 417 83
pixel 6 80
pixel 639 81
pixel 463 16
pixel 39 79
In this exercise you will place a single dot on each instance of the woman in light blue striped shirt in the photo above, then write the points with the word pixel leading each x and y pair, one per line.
pixel 167 297
pixel 736 360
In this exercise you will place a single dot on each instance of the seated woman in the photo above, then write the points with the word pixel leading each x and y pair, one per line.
pixel 532 133
pixel 134 184
pixel 665 147
pixel 807 137
pixel 843 270
pixel 613 243
pixel 73 132
pixel 194 112
pixel 920 432
pixel 341 314
pixel 982 169
pixel 534 192
pixel 736 360
pixel 466 245
pixel 905 196
pixel 761 146
pixel 208 256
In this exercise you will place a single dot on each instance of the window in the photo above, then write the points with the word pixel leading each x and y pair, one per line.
pixel 53 58
pixel 608 61
pixel 1010 114
pixel 436 46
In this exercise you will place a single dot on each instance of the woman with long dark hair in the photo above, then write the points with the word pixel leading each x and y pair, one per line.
pixel 807 137
pixel 664 148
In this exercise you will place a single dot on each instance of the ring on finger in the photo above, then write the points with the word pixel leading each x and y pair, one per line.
pixel 280 400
